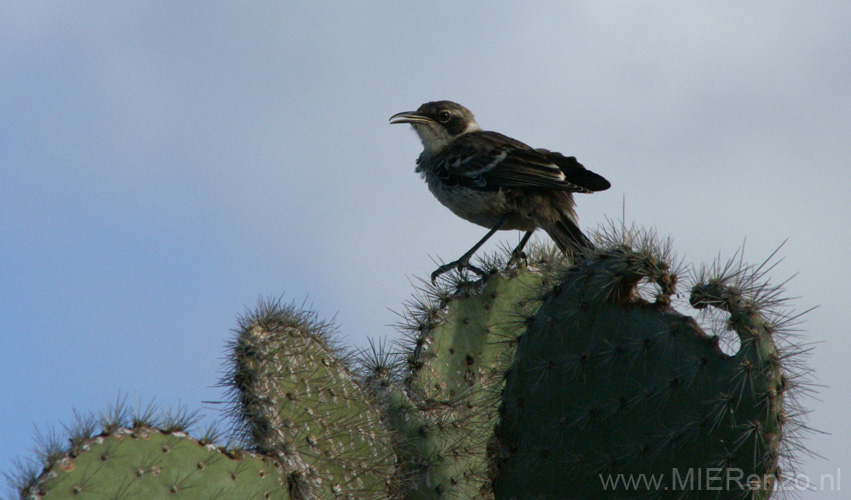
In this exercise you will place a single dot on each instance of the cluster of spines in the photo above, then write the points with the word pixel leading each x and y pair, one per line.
pixel 735 296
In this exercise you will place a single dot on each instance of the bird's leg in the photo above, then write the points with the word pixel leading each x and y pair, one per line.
pixel 517 254
pixel 464 261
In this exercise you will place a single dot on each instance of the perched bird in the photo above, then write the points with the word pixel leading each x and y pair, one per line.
pixel 498 182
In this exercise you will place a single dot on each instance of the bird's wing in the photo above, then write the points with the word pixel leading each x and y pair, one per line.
pixel 488 160
pixel 574 171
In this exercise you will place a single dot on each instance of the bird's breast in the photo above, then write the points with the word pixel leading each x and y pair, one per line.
pixel 485 208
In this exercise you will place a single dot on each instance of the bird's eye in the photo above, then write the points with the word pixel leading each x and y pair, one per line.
pixel 444 116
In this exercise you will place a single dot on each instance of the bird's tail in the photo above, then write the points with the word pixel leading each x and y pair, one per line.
pixel 568 236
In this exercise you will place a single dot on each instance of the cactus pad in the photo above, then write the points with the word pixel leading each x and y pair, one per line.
pixel 298 402
pixel 614 396
pixel 147 463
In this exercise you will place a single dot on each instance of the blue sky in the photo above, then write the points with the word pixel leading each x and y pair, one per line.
pixel 163 165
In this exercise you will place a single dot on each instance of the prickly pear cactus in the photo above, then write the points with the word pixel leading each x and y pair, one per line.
pixel 458 347
pixel 547 380
pixel 614 396
pixel 148 463
pixel 298 402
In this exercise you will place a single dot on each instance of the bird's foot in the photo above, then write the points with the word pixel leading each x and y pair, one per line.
pixel 518 258
pixel 460 265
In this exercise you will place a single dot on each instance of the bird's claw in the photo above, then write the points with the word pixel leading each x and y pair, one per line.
pixel 459 265
pixel 518 257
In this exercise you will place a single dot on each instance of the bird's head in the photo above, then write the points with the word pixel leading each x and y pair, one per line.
pixel 438 123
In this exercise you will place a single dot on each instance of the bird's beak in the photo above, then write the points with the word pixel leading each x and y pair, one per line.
pixel 409 117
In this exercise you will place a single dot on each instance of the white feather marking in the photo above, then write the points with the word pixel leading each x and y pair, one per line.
pixel 434 138
pixel 472 127
pixel 496 161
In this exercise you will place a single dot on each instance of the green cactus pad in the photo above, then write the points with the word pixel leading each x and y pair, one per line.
pixel 460 345
pixel 150 464
pixel 298 403
pixel 607 386
pixel 472 340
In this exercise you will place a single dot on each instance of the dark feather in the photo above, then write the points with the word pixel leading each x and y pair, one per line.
pixel 491 161
pixel 574 171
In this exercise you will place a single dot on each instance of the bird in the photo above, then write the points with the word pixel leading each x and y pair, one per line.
pixel 498 182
